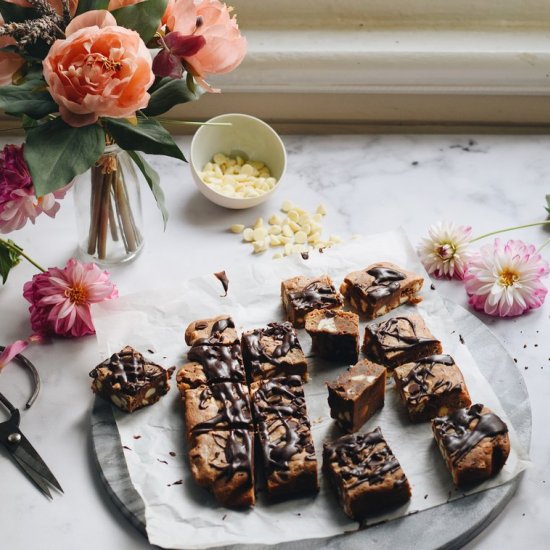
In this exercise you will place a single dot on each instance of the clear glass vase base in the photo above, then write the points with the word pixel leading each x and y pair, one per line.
pixel 112 259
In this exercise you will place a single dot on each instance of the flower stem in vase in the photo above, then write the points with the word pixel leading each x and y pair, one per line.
pixel 131 236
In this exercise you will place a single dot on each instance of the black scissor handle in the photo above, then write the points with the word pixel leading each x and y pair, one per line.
pixel 35 378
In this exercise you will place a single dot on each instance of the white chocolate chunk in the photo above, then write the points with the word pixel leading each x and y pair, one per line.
pixel 248 234
pixel 237 228
pixel 287 205
pixel 259 233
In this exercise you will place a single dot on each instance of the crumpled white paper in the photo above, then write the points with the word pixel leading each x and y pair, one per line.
pixel 183 515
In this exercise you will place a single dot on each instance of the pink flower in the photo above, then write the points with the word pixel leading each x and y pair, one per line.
pixel 19 346
pixel 445 252
pixel 100 69
pixel 18 202
pixel 60 298
pixel 505 279
pixel 224 48
pixel 10 62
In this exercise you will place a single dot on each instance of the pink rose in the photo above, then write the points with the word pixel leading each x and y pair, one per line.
pixel 9 61
pixel 100 69
pixel 224 47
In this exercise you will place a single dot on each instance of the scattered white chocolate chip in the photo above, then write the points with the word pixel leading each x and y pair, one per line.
pixel 237 228
pixel 297 232
pixel 234 177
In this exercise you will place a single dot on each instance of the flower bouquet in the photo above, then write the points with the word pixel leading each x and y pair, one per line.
pixel 88 79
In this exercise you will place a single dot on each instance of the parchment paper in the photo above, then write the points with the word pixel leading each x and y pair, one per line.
pixel 180 514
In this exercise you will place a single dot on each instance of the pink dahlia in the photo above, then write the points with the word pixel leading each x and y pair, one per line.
pixel 445 252
pixel 18 203
pixel 61 298
pixel 506 279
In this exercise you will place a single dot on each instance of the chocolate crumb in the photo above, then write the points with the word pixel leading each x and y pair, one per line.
pixel 525 368
pixel 453 331
pixel 172 453
pixel 224 516
pixel 522 515
pixel 126 447
pixel 414 163
pixel 524 346
pixel 536 345
pixel 461 338
pixel 222 277
pixel 162 461
pixel 298 514
pixel 515 360
pixel 425 497
pixel 432 286
pixel 321 250
pixel 137 436
pixel 178 482
pixel 150 351
pixel 305 255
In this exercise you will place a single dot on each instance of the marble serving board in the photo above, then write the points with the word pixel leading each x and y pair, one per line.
pixel 448 526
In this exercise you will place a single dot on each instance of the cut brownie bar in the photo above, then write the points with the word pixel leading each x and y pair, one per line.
pixel 301 295
pixel 334 334
pixel 285 436
pixel 365 473
pixel 357 394
pixel 474 443
pixel 432 386
pixel 220 406
pixel 222 461
pixel 273 351
pixel 400 340
pixel 380 288
pixel 210 364
pixel 129 381
pixel 219 330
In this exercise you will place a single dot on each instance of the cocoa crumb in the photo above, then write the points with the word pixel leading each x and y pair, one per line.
pixel 150 351
pixel 137 436
pixel 305 255
pixel 224 516
pixel 425 497
pixel 525 368
pixel 172 453
pixel 126 447
pixel 515 360
pixel 536 345
pixel 461 338
pixel 178 482
pixel 162 461
pixel 524 346
pixel 414 163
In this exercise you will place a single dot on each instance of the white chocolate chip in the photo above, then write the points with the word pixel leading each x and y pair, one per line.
pixel 150 392
pixel 260 233
pixel 300 237
pixel 287 205
pixel 321 210
pixel 237 228
pixel 248 234
pixel 275 230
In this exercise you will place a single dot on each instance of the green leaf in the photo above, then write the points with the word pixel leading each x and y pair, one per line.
pixel 166 93
pixel 30 98
pixel 153 181
pixel 143 17
pixel 56 152
pixel 548 203
pixel 148 136
pixel 9 258
pixel 89 5
pixel 12 13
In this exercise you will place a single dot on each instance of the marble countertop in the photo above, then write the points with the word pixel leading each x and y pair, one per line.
pixel 369 184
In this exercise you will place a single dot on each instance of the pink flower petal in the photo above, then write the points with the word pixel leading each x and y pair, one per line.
pixel 11 351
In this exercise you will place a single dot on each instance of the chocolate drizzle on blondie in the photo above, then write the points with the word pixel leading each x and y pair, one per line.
pixel 234 407
pixel 316 295
pixel 417 381
pixel 364 458
pixel 392 329
pixel 236 446
pixel 462 430
pixel 219 362
pixel 386 282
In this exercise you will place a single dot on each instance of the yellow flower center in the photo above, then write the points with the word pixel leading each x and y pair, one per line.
pixel 446 251
pixel 508 277
pixel 77 295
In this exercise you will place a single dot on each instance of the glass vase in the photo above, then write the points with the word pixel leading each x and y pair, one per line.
pixel 108 209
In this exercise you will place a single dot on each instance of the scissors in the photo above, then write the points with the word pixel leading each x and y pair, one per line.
pixel 22 452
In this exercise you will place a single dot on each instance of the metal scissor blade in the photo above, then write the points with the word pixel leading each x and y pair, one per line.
pixel 26 453
pixel 37 479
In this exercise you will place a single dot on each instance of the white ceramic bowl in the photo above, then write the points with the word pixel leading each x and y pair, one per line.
pixel 248 137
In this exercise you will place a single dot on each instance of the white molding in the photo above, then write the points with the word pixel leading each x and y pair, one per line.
pixel 490 62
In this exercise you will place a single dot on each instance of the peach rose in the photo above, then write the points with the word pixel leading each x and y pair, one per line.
pixel 9 61
pixel 224 47
pixel 100 69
